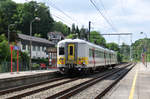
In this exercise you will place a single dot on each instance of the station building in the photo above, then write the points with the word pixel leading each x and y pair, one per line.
pixel 38 47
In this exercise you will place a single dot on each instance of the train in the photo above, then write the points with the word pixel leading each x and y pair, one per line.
pixel 76 55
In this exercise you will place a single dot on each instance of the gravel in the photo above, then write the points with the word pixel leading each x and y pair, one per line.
pixel 30 89
pixel 93 91
pixel 52 91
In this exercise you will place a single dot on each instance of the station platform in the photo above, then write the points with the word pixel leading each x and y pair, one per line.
pixel 25 73
pixel 14 79
pixel 135 85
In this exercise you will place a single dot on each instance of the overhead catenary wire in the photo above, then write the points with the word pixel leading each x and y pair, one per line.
pixel 105 11
pixel 58 9
pixel 61 19
pixel 108 22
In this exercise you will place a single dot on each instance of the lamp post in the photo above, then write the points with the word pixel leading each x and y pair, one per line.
pixel 145 47
pixel 35 19
pixel 9 32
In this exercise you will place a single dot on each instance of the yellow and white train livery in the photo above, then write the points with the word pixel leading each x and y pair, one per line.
pixel 80 55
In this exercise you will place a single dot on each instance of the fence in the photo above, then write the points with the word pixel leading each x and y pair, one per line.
pixel 6 67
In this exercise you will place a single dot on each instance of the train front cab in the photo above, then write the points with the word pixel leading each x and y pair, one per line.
pixel 68 61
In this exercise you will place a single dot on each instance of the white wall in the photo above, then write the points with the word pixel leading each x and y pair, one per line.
pixel 36 53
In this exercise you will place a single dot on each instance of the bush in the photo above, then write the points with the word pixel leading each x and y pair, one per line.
pixel 38 61
pixel 35 66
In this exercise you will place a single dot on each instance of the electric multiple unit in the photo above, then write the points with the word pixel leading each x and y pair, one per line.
pixel 80 55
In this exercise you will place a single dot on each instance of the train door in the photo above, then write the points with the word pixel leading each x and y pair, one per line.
pixel 71 52
pixel 93 54
pixel 105 57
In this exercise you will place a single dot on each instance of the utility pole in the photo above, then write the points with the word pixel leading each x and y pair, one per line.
pixel 30 61
pixel 89 29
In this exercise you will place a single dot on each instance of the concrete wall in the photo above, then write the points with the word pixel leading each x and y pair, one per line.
pixel 24 80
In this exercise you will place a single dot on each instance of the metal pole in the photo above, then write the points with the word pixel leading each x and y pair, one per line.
pixel 89 29
pixel 38 19
pixel 8 34
pixel 30 45
pixel 131 47
pixel 146 48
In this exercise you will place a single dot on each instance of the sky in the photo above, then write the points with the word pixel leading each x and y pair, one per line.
pixel 124 16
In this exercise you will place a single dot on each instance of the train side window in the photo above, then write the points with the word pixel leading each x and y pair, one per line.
pixel 90 52
pixel 61 51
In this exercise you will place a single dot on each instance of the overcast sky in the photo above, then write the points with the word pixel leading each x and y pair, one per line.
pixel 126 16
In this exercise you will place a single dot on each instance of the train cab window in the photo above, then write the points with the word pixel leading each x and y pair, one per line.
pixel 71 50
pixel 61 51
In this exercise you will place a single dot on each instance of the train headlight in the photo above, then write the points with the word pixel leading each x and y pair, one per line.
pixel 83 63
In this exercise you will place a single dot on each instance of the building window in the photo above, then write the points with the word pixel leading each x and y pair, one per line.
pixel 28 47
pixel 43 48
pixel 38 49
pixel 34 48
pixel 24 47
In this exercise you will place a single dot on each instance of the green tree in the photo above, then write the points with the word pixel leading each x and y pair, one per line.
pixel 73 29
pixel 112 46
pixel 60 27
pixel 4 49
pixel 125 51
pixel 141 46
pixel 83 33
pixel 28 11
pixel 95 37
pixel 72 36
pixel 7 14
pixel 37 35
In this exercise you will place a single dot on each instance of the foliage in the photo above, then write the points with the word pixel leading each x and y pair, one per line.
pixel 119 57
pixel 35 65
pixel 73 29
pixel 112 46
pixel 141 46
pixel 22 14
pixel 96 38
pixel 83 33
pixel 125 51
pixel 71 36
pixel 7 14
pixel 40 61
pixel 28 11
pixel 24 57
pixel 4 49
pixel 60 27
pixel 37 35
pixel 5 53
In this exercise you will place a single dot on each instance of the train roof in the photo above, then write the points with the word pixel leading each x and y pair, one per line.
pixel 72 40
pixel 83 41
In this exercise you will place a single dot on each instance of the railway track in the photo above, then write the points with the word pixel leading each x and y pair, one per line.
pixel 10 90
pixel 27 93
pixel 77 87
pixel 120 76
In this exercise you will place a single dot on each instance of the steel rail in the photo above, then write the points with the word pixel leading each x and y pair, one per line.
pixel 10 90
pixel 41 89
pixel 105 91
pixel 78 88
